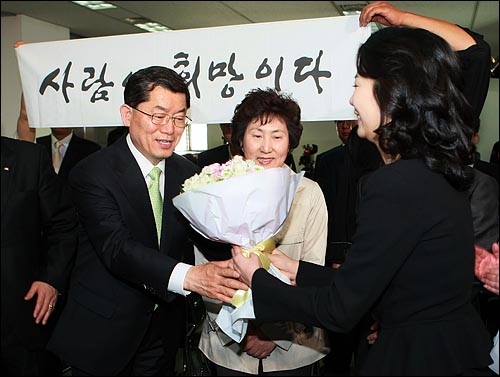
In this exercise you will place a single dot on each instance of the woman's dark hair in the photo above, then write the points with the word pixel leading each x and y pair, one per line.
pixel 265 105
pixel 142 82
pixel 417 84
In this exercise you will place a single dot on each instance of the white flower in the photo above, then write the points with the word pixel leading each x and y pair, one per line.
pixel 217 172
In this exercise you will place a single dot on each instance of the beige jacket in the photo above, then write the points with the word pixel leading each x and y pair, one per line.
pixel 303 237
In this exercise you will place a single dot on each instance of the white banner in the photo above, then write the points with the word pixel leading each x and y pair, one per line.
pixel 80 82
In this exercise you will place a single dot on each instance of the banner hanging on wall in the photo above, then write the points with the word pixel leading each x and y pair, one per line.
pixel 80 82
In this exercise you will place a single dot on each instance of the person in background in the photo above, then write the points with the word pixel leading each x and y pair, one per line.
pixel 338 173
pixel 495 154
pixel 227 151
pixel 67 149
pixel 323 170
pixel 266 126
pixel 24 131
pixel 63 145
pixel 486 167
pixel 486 270
pixel 129 266
pixel 39 238
pixel 483 198
pixel 221 153
pixel 115 134
pixel 414 220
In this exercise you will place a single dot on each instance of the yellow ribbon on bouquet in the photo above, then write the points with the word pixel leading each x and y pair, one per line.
pixel 266 246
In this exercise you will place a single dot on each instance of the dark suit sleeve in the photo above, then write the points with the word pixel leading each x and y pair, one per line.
pixel 117 232
pixel 475 63
pixel 40 218
pixel 59 225
pixel 483 196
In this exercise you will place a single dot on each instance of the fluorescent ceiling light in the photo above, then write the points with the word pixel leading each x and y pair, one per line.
pixel 152 27
pixel 351 12
pixel 354 9
pixel 95 5
pixel 146 24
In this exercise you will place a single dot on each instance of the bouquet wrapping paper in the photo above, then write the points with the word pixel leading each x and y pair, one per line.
pixel 243 210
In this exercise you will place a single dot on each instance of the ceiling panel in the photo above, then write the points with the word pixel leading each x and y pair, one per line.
pixel 268 11
pixel 185 14
pixel 458 12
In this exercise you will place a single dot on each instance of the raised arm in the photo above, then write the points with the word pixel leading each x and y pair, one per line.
pixel 473 51
pixel 24 131
pixel 388 15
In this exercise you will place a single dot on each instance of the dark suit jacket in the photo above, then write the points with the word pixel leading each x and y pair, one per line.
pixel 339 172
pixel 329 172
pixel 119 272
pixel 483 196
pixel 78 149
pixel 487 168
pixel 39 237
pixel 412 261
pixel 218 154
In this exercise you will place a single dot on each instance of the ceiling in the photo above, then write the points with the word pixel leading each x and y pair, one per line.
pixel 481 16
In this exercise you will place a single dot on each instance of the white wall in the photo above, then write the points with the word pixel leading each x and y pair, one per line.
pixel 15 28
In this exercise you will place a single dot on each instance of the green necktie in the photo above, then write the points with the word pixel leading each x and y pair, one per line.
pixel 155 197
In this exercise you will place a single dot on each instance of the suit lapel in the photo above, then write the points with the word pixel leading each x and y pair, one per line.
pixel 69 156
pixel 129 177
pixel 46 141
pixel 173 182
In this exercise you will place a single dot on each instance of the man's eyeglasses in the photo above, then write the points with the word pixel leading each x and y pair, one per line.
pixel 161 119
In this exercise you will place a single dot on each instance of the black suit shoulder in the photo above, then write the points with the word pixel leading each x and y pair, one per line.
pixel 20 147
pixel 85 144
pixel 483 197
pixel 46 142
pixel 324 159
pixel 488 168
pixel 185 167
pixel 329 151
pixel 334 154
pixel 328 163
pixel 218 154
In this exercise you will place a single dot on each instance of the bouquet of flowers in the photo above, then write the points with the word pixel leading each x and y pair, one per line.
pixel 239 203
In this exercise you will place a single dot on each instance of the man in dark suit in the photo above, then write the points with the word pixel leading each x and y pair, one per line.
pixel 221 153
pixel 486 167
pixel 74 148
pixel 338 172
pixel 39 239
pixel 129 266
pixel 329 172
